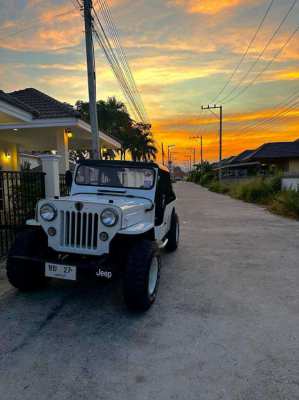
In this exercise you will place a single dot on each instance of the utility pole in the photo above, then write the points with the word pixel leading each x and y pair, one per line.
pixel 170 146
pixel 163 154
pixel 201 148
pixel 194 156
pixel 96 154
pixel 201 153
pixel 220 108
pixel 189 161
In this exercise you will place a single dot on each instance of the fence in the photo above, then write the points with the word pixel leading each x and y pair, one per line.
pixel 64 190
pixel 19 193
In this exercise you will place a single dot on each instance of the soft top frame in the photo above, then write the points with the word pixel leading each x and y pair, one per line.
pixel 118 163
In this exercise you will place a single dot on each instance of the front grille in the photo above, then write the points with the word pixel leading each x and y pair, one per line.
pixel 79 229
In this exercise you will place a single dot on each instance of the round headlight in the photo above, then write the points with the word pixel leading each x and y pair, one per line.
pixel 109 217
pixel 48 212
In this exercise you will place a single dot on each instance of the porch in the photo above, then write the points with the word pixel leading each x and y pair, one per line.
pixel 32 122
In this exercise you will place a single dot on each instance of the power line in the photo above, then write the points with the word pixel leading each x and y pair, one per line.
pixel 106 13
pixel 267 66
pixel 117 59
pixel 118 73
pixel 274 117
pixel 116 68
pixel 283 103
pixel 246 51
pixel 227 99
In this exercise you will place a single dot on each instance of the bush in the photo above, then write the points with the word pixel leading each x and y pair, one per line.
pixel 286 203
pixel 206 179
pixel 218 187
pixel 266 191
pixel 259 190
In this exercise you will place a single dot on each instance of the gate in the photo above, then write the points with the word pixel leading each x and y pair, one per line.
pixel 19 193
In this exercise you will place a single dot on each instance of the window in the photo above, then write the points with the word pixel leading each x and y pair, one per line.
pixel 116 176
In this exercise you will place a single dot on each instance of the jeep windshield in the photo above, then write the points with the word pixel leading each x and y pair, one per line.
pixel 115 176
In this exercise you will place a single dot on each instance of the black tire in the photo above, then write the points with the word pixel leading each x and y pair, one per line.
pixel 136 280
pixel 173 235
pixel 24 275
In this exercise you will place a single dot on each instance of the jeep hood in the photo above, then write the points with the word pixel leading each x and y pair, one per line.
pixel 133 210
pixel 122 202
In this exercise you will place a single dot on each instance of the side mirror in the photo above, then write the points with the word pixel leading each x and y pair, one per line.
pixel 68 179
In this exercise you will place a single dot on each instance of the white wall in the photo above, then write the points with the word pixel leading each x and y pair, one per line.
pixel 290 183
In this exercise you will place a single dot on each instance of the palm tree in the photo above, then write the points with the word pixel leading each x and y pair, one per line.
pixel 115 120
pixel 142 143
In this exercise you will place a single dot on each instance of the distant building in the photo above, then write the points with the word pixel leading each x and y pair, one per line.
pixel 178 173
pixel 282 156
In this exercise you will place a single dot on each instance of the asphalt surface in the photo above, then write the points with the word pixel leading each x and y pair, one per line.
pixel 225 324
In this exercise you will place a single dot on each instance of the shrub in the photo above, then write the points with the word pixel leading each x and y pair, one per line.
pixel 206 178
pixel 216 186
pixel 286 203
pixel 259 190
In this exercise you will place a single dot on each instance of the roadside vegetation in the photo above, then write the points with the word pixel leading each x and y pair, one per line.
pixel 265 191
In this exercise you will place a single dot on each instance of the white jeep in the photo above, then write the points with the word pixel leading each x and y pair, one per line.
pixel 118 216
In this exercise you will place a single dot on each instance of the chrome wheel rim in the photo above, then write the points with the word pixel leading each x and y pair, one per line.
pixel 153 276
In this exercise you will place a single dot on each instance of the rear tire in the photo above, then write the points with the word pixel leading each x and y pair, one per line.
pixel 173 235
pixel 142 275
pixel 25 275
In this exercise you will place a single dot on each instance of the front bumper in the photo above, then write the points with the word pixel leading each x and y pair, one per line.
pixel 87 267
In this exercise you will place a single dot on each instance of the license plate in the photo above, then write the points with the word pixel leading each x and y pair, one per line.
pixel 59 271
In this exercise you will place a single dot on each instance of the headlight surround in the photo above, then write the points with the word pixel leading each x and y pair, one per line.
pixel 48 212
pixel 109 217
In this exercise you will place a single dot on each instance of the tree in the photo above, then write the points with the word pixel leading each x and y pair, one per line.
pixel 115 120
pixel 143 145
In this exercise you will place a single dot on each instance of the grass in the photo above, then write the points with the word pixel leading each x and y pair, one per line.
pixel 258 191
pixel 286 203
pixel 264 191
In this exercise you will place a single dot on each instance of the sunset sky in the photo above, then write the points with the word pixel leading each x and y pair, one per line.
pixel 181 52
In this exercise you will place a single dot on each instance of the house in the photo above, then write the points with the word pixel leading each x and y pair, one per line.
pixel 282 155
pixel 240 166
pixel 32 122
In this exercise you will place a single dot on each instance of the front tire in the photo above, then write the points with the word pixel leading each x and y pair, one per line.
pixel 22 274
pixel 142 275
pixel 173 235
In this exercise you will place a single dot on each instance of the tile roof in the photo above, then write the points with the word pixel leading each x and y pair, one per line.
pixel 43 105
pixel 275 151
pixel 242 157
pixel 17 103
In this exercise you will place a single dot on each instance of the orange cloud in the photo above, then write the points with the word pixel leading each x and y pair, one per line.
pixel 208 6
pixel 179 131
pixel 54 28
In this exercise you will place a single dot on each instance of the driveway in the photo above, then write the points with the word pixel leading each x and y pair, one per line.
pixel 225 324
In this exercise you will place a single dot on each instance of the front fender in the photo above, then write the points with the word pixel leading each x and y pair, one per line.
pixel 137 229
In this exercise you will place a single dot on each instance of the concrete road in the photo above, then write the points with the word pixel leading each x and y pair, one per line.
pixel 225 325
